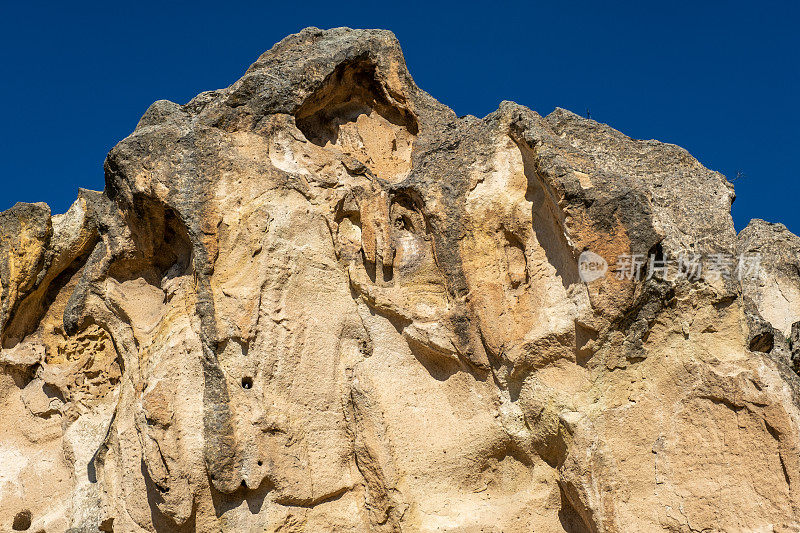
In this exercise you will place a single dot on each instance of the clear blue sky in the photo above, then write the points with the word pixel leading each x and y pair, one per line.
pixel 721 79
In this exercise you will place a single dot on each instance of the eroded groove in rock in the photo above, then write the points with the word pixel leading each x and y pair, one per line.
pixel 318 300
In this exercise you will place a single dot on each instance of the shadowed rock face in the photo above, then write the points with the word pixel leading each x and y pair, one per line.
pixel 318 300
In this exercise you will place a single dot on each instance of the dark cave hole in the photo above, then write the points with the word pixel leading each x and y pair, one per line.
pixel 22 521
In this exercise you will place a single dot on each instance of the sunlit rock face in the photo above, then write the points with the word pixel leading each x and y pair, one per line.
pixel 318 300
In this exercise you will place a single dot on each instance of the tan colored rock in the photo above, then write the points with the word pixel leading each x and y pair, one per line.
pixel 317 300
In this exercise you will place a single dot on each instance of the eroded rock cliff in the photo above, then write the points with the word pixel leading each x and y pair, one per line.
pixel 318 300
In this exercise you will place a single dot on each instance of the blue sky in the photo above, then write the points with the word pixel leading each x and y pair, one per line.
pixel 721 79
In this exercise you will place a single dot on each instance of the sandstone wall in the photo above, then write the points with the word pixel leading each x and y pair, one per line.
pixel 318 300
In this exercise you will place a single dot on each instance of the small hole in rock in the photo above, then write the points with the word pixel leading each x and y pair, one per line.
pixel 261 463
pixel 22 521
pixel 247 383
pixel 107 525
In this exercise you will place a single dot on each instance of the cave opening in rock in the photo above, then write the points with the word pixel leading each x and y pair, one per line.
pixel 354 112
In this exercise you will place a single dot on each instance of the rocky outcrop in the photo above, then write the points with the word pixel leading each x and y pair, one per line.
pixel 318 300
pixel 772 298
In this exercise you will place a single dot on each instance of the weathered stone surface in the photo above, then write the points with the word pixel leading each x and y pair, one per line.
pixel 318 300
pixel 773 297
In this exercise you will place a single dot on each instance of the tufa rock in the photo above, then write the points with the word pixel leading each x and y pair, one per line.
pixel 318 300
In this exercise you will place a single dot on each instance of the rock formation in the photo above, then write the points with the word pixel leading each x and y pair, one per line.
pixel 318 300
